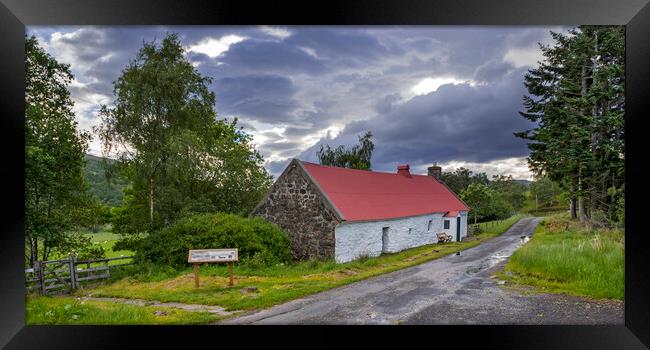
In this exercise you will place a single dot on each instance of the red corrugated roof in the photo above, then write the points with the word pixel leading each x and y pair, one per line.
pixel 368 195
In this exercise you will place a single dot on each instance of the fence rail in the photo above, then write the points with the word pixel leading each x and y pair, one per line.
pixel 64 275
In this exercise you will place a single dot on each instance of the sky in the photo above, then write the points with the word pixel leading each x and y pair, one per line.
pixel 444 94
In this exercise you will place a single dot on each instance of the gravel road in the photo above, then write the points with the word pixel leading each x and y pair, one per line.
pixel 456 289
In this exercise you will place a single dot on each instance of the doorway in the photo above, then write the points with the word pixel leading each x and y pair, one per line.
pixel 458 229
pixel 384 240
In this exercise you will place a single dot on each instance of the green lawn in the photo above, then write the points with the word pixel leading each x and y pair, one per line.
pixel 107 239
pixel 44 310
pixel 563 256
pixel 275 284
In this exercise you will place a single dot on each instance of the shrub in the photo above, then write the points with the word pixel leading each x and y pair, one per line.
pixel 258 241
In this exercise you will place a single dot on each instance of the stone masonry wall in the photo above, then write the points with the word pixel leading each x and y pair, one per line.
pixel 296 206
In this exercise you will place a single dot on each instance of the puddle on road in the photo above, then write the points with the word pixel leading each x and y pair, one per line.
pixel 495 258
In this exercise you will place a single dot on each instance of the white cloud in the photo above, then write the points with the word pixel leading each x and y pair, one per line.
pixel 214 47
pixel 516 166
pixel 524 57
pixel 277 32
pixel 428 85
pixel 308 50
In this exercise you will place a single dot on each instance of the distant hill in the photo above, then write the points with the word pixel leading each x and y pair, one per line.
pixel 524 182
pixel 109 193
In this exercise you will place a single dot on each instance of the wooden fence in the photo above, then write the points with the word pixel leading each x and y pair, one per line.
pixel 65 275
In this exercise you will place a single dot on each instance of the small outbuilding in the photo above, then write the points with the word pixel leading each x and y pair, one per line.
pixel 331 212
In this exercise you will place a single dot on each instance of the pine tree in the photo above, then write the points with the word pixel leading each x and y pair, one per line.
pixel 577 101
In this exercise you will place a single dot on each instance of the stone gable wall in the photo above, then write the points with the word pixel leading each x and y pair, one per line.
pixel 296 206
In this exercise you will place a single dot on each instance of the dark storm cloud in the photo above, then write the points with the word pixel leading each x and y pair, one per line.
pixel 320 78
pixel 277 57
pixel 385 104
pixel 347 44
pixel 457 122
pixel 492 69
pixel 276 167
pixel 282 146
pixel 261 97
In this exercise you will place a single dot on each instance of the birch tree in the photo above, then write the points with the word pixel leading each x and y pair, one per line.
pixel 177 156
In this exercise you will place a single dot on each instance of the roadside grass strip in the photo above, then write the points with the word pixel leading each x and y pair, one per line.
pixel 47 310
pixel 276 284
pixel 565 257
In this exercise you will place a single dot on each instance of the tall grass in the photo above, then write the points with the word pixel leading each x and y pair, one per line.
pixel 563 256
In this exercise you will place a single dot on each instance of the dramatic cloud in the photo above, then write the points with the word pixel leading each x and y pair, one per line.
pixel 429 94
pixel 212 47
pixel 260 97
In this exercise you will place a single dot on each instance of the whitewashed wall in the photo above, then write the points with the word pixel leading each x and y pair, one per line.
pixel 354 239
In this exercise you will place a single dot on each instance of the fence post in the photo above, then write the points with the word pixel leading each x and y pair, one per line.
pixel 38 268
pixel 72 262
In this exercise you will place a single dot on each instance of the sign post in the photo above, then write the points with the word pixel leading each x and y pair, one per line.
pixel 228 256
pixel 196 275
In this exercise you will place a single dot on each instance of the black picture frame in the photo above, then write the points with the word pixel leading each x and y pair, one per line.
pixel 16 14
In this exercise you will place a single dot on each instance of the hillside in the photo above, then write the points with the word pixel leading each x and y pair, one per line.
pixel 524 182
pixel 109 193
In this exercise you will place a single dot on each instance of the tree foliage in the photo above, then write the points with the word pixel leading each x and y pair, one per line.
pixel 577 100
pixel 510 190
pixel 544 191
pixel 177 156
pixel 485 203
pixel 459 179
pixel 254 238
pixel 55 187
pixel 357 157
pixel 104 185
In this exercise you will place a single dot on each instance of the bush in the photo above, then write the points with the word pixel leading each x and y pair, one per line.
pixel 259 242
pixel 79 244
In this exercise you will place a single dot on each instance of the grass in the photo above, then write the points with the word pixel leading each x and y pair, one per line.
pixel 106 239
pixel 45 310
pixel 565 257
pixel 275 284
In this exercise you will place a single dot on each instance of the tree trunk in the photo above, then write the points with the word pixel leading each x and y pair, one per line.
pixel 595 164
pixel 583 93
pixel 35 250
pixel 581 201
pixel 572 199
pixel 151 201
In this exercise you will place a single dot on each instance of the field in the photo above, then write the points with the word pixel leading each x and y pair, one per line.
pixel 107 239
pixel 564 256
pixel 273 285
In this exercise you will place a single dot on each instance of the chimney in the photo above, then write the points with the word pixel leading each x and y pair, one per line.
pixel 434 171
pixel 404 170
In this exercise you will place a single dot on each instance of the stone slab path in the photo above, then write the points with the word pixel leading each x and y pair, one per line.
pixel 217 310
